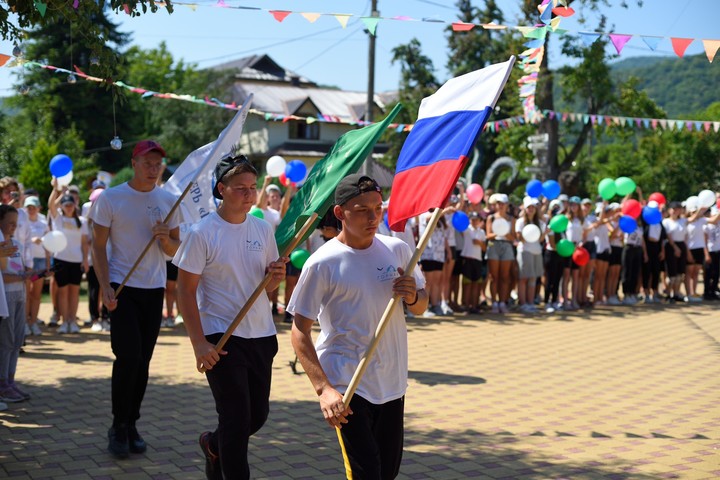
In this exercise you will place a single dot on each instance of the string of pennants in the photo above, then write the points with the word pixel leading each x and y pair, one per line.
pixel 495 126
pixel 558 8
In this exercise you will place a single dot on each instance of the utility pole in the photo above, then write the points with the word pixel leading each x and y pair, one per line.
pixel 371 81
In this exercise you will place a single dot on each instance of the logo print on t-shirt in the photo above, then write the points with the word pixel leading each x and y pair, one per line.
pixel 253 245
pixel 387 273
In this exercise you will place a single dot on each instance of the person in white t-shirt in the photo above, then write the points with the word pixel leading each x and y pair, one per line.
pixel 712 264
pixel 127 217
pixel 346 285
pixel 697 248
pixel 220 263
pixel 41 262
pixel 529 255
pixel 474 270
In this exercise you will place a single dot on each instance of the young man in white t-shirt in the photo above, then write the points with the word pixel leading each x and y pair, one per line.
pixel 220 263
pixel 127 217
pixel 346 285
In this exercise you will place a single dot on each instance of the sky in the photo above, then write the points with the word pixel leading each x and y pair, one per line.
pixel 328 54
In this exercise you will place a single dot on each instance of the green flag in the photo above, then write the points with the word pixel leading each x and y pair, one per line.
pixel 318 191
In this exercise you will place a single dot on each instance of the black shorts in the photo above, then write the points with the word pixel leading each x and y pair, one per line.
pixel 172 271
pixel 472 269
pixel 616 255
pixel 603 256
pixel 591 248
pixel 457 268
pixel 431 265
pixel 291 270
pixel 67 273
pixel 698 255
pixel 675 266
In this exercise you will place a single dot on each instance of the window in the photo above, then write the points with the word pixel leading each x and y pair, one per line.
pixel 300 130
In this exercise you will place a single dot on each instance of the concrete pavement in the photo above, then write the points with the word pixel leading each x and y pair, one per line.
pixel 615 393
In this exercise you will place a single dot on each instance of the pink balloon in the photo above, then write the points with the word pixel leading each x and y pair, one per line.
pixel 96 193
pixel 475 193
pixel 632 208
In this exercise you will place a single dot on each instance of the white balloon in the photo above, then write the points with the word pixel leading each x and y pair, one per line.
pixel 531 233
pixel 54 241
pixel 275 166
pixel 653 204
pixel 692 203
pixel 65 179
pixel 500 227
pixel 706 198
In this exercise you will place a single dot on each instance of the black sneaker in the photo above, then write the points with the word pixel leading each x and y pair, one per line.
pixel 212 461
pixel 118 442
pixel 136 443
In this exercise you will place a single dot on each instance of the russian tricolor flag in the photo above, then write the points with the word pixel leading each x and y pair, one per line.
pixel 435 152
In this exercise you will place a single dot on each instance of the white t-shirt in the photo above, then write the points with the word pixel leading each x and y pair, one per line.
pixel 130 215
pixel 347 290
pixel 16 266
pixel 38 228
pixel 635 238
pixel 601 237
pixel 271 216
pixel 450 232
pixel 67 225
pixel 575 230
pixel 435 249
pixel 713 237
pixel 589 233
pixel 696 234
pixel 231 259
pixel 616 240
pixel 315 241
pixel 406 236
pixel 524 246
pixel 654 232
pixel 675 229
pixel 470 250
pixel 23 235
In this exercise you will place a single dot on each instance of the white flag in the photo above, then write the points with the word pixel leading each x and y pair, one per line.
pixel 198 168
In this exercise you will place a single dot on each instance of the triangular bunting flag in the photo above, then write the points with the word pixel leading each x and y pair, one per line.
pixel 462 26
pixel 589 38
pixel 563 11
pixel 546 15
pixel 311 17
pixel 716 126
pixel 555 23
pixel 342 18
pixel 711 48
pixel 664 124
pixel 654 123
pixel 679 124
pixel 707 126
pixel 4 59
pixel 651 42
pixel 680 45
pixel 493 26
pixel 370 24
pixel 646 122
pixel 41 7
pixel 279 15
pixel 619 41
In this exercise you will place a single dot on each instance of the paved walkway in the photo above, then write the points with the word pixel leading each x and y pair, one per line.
pixel 618 393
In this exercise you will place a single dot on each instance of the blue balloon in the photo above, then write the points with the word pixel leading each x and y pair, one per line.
pixel 628 224
pixel 534 188
pixel 385 220
pixel 460 221
pixel 550 189
pixel 60 165
pixel 651 216
pixel 295 170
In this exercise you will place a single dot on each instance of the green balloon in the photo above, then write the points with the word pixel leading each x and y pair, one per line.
pixel 256 212
pixel 559 223
pixel 565 248
pixel 607 188
pixel 299 257
pixel 624 185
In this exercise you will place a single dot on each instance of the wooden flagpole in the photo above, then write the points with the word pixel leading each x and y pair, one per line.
pixel 362 366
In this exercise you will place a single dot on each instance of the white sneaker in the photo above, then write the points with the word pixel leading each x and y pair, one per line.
pixel 495 308
pixel 613 301
pixel 178 319
pixel 64 328
pixel 429 313
pixel 28 332
pixel 96 327
pixel 35 329
pixel 549 309
pixel 445 308
pixel 74 328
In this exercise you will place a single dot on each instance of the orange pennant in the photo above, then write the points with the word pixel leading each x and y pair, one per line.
pixel 711 48
pixel 4 59
pixel 680 45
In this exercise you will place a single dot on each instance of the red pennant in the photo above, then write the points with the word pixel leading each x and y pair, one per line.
pixel 280 15
pixel 680 45
pixel 462 26
pixel 4 59
pixel 563 11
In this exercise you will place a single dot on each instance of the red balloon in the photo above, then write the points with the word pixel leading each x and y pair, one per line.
pixel 284 180
pixel 717 203
pixel 581 256
pixel 632 208
pixel 658 197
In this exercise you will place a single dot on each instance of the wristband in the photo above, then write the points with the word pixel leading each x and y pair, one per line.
pixel 417 296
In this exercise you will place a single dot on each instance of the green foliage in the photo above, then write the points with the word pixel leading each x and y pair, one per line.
pixel 122 176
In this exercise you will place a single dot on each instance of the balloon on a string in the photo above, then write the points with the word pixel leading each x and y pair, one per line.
pixel 624 185
pixel 295 170
pixel 658 197
pixel 706 198
pixel 653 204
pixel 607 188
pixel 627 224
pixel 500 227
pixel 534 188
pixel 96 193
pixel 257 212
pixel 531 233
pixel 631 208
pixel 565 248
pixel 284 180
pixel 581 256
pixel 299 257
pixel 651 216
pixel 60 165
pixel 692 203
pixel 65 180
pixel 559 223
pixel 54 241
pixel 474 193
pixel 275 166
pixel 550 189
pixel 460 221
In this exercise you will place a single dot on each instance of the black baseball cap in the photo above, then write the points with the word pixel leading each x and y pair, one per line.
pixel 354 185
pixel 226 164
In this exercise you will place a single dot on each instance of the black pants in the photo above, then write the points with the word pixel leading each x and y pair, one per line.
pixel 372 440
pixel 134 328
pixel 554 265
pixel 651 268
pixel 94 296
pixel 711 274
pixel 240 384
pixel 632 258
